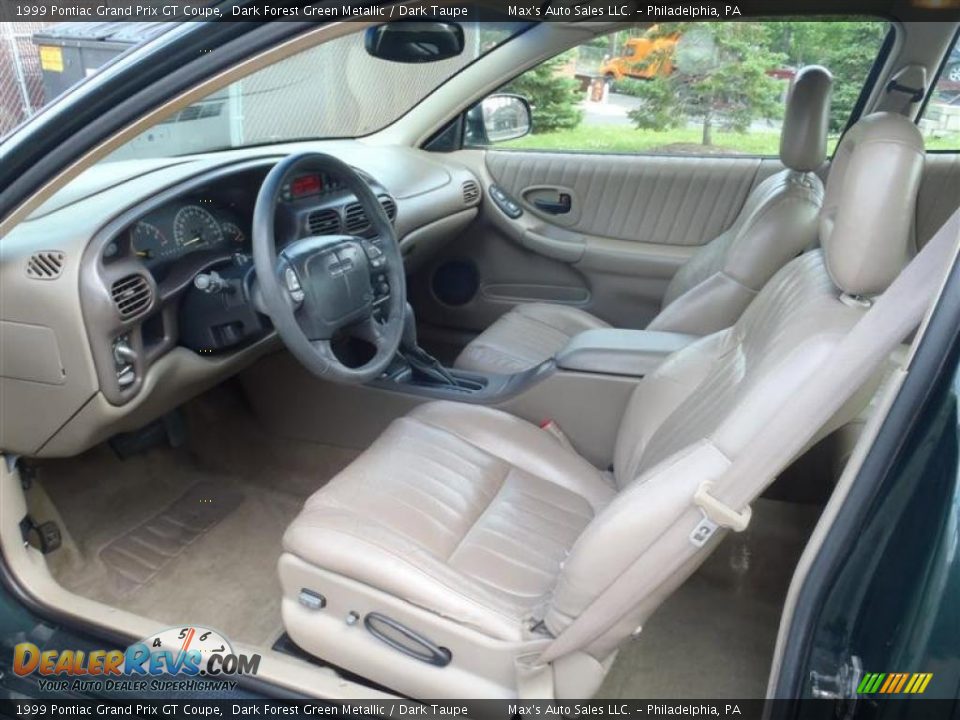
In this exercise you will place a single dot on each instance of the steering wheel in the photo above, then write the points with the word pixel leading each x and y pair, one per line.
pixel 319 286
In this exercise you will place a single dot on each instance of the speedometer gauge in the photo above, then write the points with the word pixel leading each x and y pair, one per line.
pixel 194 228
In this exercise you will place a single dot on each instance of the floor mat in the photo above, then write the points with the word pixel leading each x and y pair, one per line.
pixel 225 577
pixel 134 558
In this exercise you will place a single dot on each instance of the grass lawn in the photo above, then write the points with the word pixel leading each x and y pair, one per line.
pixel 685 141
pixel 626 139
pixel 948 142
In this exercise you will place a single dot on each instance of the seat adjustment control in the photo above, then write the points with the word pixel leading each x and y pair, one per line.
pixel 312 600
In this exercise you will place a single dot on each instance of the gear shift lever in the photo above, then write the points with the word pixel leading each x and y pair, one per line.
pixel 420 360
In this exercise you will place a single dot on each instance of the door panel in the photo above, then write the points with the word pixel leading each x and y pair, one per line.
pixel 663 200
pixel 624 225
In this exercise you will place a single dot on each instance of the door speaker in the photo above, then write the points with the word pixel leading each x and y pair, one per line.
pixel 455 282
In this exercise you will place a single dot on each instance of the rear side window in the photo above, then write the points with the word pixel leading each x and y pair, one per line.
pixel 940 122
pixel 707 88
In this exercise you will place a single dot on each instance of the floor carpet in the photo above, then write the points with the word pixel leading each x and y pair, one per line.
pixel 224 575
pixel 714 638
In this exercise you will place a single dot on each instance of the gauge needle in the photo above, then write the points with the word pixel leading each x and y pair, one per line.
pixel 191 242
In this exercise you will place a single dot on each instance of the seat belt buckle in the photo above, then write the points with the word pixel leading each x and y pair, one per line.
pixel 551 427
pixel 715 515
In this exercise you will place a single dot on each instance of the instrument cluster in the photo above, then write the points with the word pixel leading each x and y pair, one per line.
pixel 185 227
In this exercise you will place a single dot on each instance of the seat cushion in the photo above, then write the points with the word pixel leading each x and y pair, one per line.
pixel 525 337
pixel 464 510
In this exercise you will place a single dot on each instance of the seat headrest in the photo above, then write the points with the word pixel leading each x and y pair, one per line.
pixel 803 140
pixel 866 224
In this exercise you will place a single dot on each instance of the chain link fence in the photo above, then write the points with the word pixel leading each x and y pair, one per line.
pixel 21 80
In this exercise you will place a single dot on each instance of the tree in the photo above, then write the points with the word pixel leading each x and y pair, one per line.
pixel 847 49
pixel 552 96
pixel 719 78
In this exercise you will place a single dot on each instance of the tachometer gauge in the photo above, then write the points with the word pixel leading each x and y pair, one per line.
pixel 233 234
pixel 194 228
pixel 148 243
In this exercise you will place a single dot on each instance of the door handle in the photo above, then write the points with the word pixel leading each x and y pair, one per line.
pixel 560 207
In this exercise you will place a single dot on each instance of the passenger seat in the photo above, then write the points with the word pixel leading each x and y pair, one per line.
pixel 708 293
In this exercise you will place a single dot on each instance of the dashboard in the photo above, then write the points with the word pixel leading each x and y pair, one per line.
pixel 129 321
pixel 180 271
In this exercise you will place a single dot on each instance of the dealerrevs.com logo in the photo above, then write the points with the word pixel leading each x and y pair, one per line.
pixel 185 658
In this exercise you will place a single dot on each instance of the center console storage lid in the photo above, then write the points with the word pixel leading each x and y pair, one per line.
pixel 620 352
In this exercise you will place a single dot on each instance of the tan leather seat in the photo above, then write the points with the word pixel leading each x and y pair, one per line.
pixel 710 291
pixel 486 536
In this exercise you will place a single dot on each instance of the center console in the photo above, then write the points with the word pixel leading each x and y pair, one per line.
pixel 620 352
pixel 630 354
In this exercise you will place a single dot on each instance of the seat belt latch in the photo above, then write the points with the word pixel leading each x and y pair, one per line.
pixel 715 515
pixel 551 427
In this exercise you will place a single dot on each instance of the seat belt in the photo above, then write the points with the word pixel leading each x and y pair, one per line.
pixel 724 501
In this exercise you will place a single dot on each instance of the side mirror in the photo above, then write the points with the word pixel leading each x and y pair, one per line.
pixel 498 118
pixel 414 42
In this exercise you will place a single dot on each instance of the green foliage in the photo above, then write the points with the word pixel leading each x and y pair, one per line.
pixel 720 78
pixel 847 49
pixel 553 97
pixel 628 86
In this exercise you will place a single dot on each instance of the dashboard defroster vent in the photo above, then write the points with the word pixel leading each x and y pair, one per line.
pixel 45 265
pixel 323 222
pixel 355 219
pixel 132 295
pixel 471 192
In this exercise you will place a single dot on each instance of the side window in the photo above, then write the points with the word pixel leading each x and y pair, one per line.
pixel 941 118
pixel 713 88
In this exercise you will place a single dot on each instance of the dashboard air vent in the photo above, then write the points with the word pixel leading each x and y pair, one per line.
pixel 471 192
pixel 132 295
pixel 355 219
pixel 323 222
pixel 390 206
pixel 45 265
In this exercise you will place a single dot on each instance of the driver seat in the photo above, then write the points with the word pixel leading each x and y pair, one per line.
pixel 445 558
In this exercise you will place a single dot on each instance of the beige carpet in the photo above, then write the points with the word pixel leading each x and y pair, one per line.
pixel 714 637
pixel 225 578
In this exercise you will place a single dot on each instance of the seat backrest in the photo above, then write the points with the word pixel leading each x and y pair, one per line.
pixel 702 408
pixel 777 222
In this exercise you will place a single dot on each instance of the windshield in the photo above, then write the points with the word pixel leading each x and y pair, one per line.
pixel 334 90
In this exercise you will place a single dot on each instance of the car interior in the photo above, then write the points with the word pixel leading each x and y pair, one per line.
pixel 399 409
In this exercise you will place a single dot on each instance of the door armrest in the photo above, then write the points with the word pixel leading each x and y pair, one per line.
pixel 620 352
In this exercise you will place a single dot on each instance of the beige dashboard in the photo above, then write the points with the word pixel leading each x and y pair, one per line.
pixel 53 398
